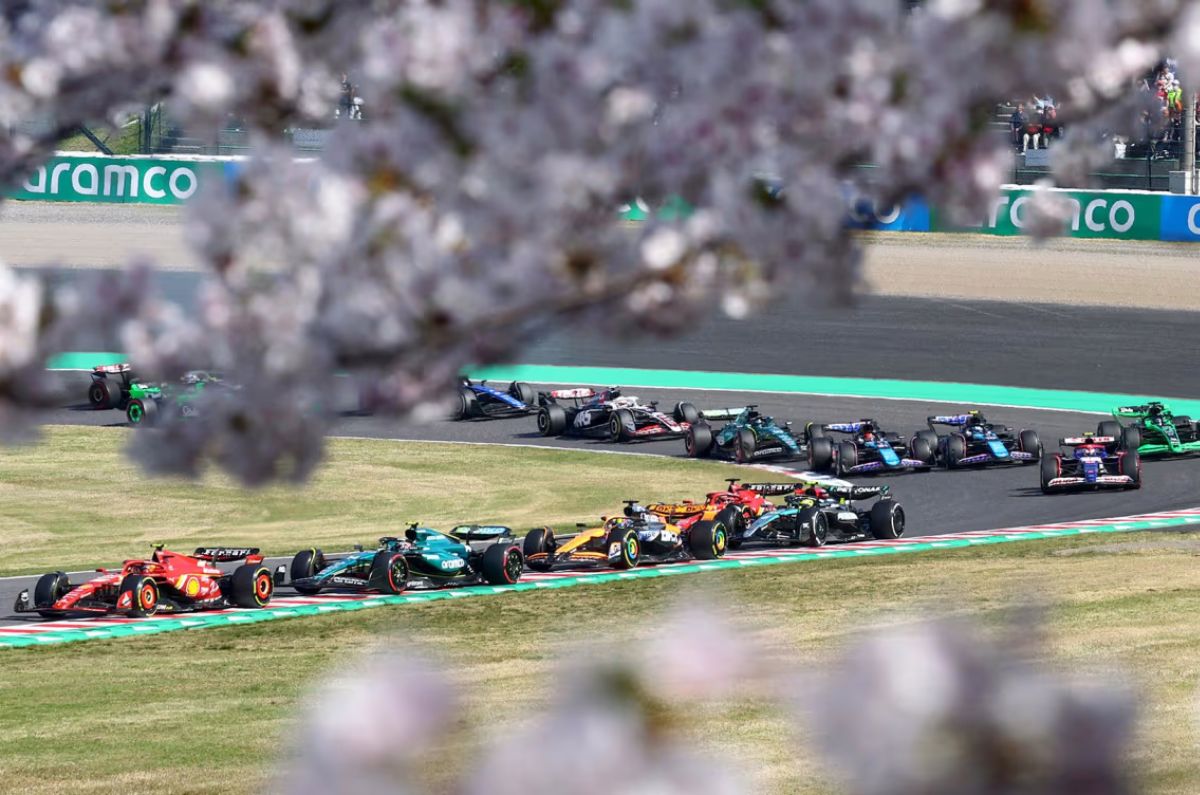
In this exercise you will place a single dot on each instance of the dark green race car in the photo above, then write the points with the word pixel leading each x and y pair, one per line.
pixel 147 402
pixel 1155 430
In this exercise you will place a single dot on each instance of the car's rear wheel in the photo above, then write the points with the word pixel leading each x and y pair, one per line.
pixel 468 405
pixel 523 392
pixel 619 424
pixel 306 564
pixel 1051 468
pixel 105 393
pixel 551 420
pixel 686 412
pixel 539 542
pixel 818 526
pixel 1115 430
pixel 745 445
pixel 1030 443
pixel 250 586
pixel 501 564
pixel 629 550
pixel 930 438
pixel 708 539
pixel 141 412
pixel 820 453
pixel 698 441
pixel 735 522
pixel 956 449
pixel 48 590
pixel 847 458
pixel 1130 464
pixel 1130 438
pixel 921 451
pixel 886 520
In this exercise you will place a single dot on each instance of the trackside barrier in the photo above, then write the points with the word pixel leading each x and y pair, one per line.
pixel 173 179
pixel 57 632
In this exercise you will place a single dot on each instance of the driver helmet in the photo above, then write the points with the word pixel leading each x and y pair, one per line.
pixel 624 402
pixel 868 430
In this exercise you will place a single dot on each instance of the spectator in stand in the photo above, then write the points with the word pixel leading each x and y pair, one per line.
pixel 346 99
pixel 1033 132
pixel 1050 126
pixel 1017 123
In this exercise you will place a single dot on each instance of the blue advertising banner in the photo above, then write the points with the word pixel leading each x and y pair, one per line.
pixel 1180 218
pixel 911 216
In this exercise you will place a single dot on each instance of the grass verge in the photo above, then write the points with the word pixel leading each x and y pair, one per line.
pixel 223 702
pixel 74 501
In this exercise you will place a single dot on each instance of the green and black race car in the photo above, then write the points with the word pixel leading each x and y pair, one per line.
pixel 146 402
pixel 1155 430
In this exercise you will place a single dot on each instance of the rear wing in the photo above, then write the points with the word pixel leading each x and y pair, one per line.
pixel 722 414
pixel 481 532
pixel 774 489
pixel 581 393
pixel 1072 441
pixel 224 554
pixel 1140 411
pixel 124 367
pixel 843 427
pixel 957 420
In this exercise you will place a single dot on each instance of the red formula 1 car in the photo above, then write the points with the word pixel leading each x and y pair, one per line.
pixel 169 582
pixel 737 506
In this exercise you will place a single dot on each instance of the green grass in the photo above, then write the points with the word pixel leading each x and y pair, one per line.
pixel 223 702
pixel 74 501
pixel 121 141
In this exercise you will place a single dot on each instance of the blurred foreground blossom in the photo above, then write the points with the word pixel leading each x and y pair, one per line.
pixel 475 205
pixel 937 709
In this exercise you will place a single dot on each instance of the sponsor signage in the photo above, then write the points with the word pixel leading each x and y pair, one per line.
pixel 140 180
pixel 1107 214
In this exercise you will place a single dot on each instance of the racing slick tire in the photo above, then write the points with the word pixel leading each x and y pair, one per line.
pixel 305 564
pixel 618 425
pixel 922 451
pixel 847 458
pixel 105 393
pixel 1115 430
pixel 141 413
pixel 1050 469
pixel 813 430
pixel 956 449
pixel 698 441
pixel 1129 463
pixel 735 523
pixel 501 564
pixel 250 586
pixel 886 520
pixel 744 446
pixel 143 595
pixel 820 453
pixel 468 404
pixel 686 412
pixel 931 438
pixel 1130 438
pixel 540 540
pixel 523 392
pixel 1029 442
pixel 389 572
pixel 48 590
pixel 708 539
pixel 818 526
pixel 629 547
pixel 551 420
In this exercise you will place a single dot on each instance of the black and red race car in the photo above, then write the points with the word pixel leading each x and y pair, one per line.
pixel 110 386
pixel 608 414
pixel 169 582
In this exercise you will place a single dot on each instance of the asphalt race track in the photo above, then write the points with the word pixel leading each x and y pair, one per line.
pixel 1048 346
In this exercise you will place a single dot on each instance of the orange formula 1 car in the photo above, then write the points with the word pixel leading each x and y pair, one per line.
pixel 169 582
pixel 623 542
pixel 735 508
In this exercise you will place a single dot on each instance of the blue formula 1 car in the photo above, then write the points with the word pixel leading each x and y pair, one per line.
pixel 976 442
pixel 1090 463
pixel 477 400
pixel 422 559
pixel 748 436
pixel 867 448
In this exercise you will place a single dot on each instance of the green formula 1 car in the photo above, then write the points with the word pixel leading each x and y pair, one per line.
pixel 147 402
pixel 1155 430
